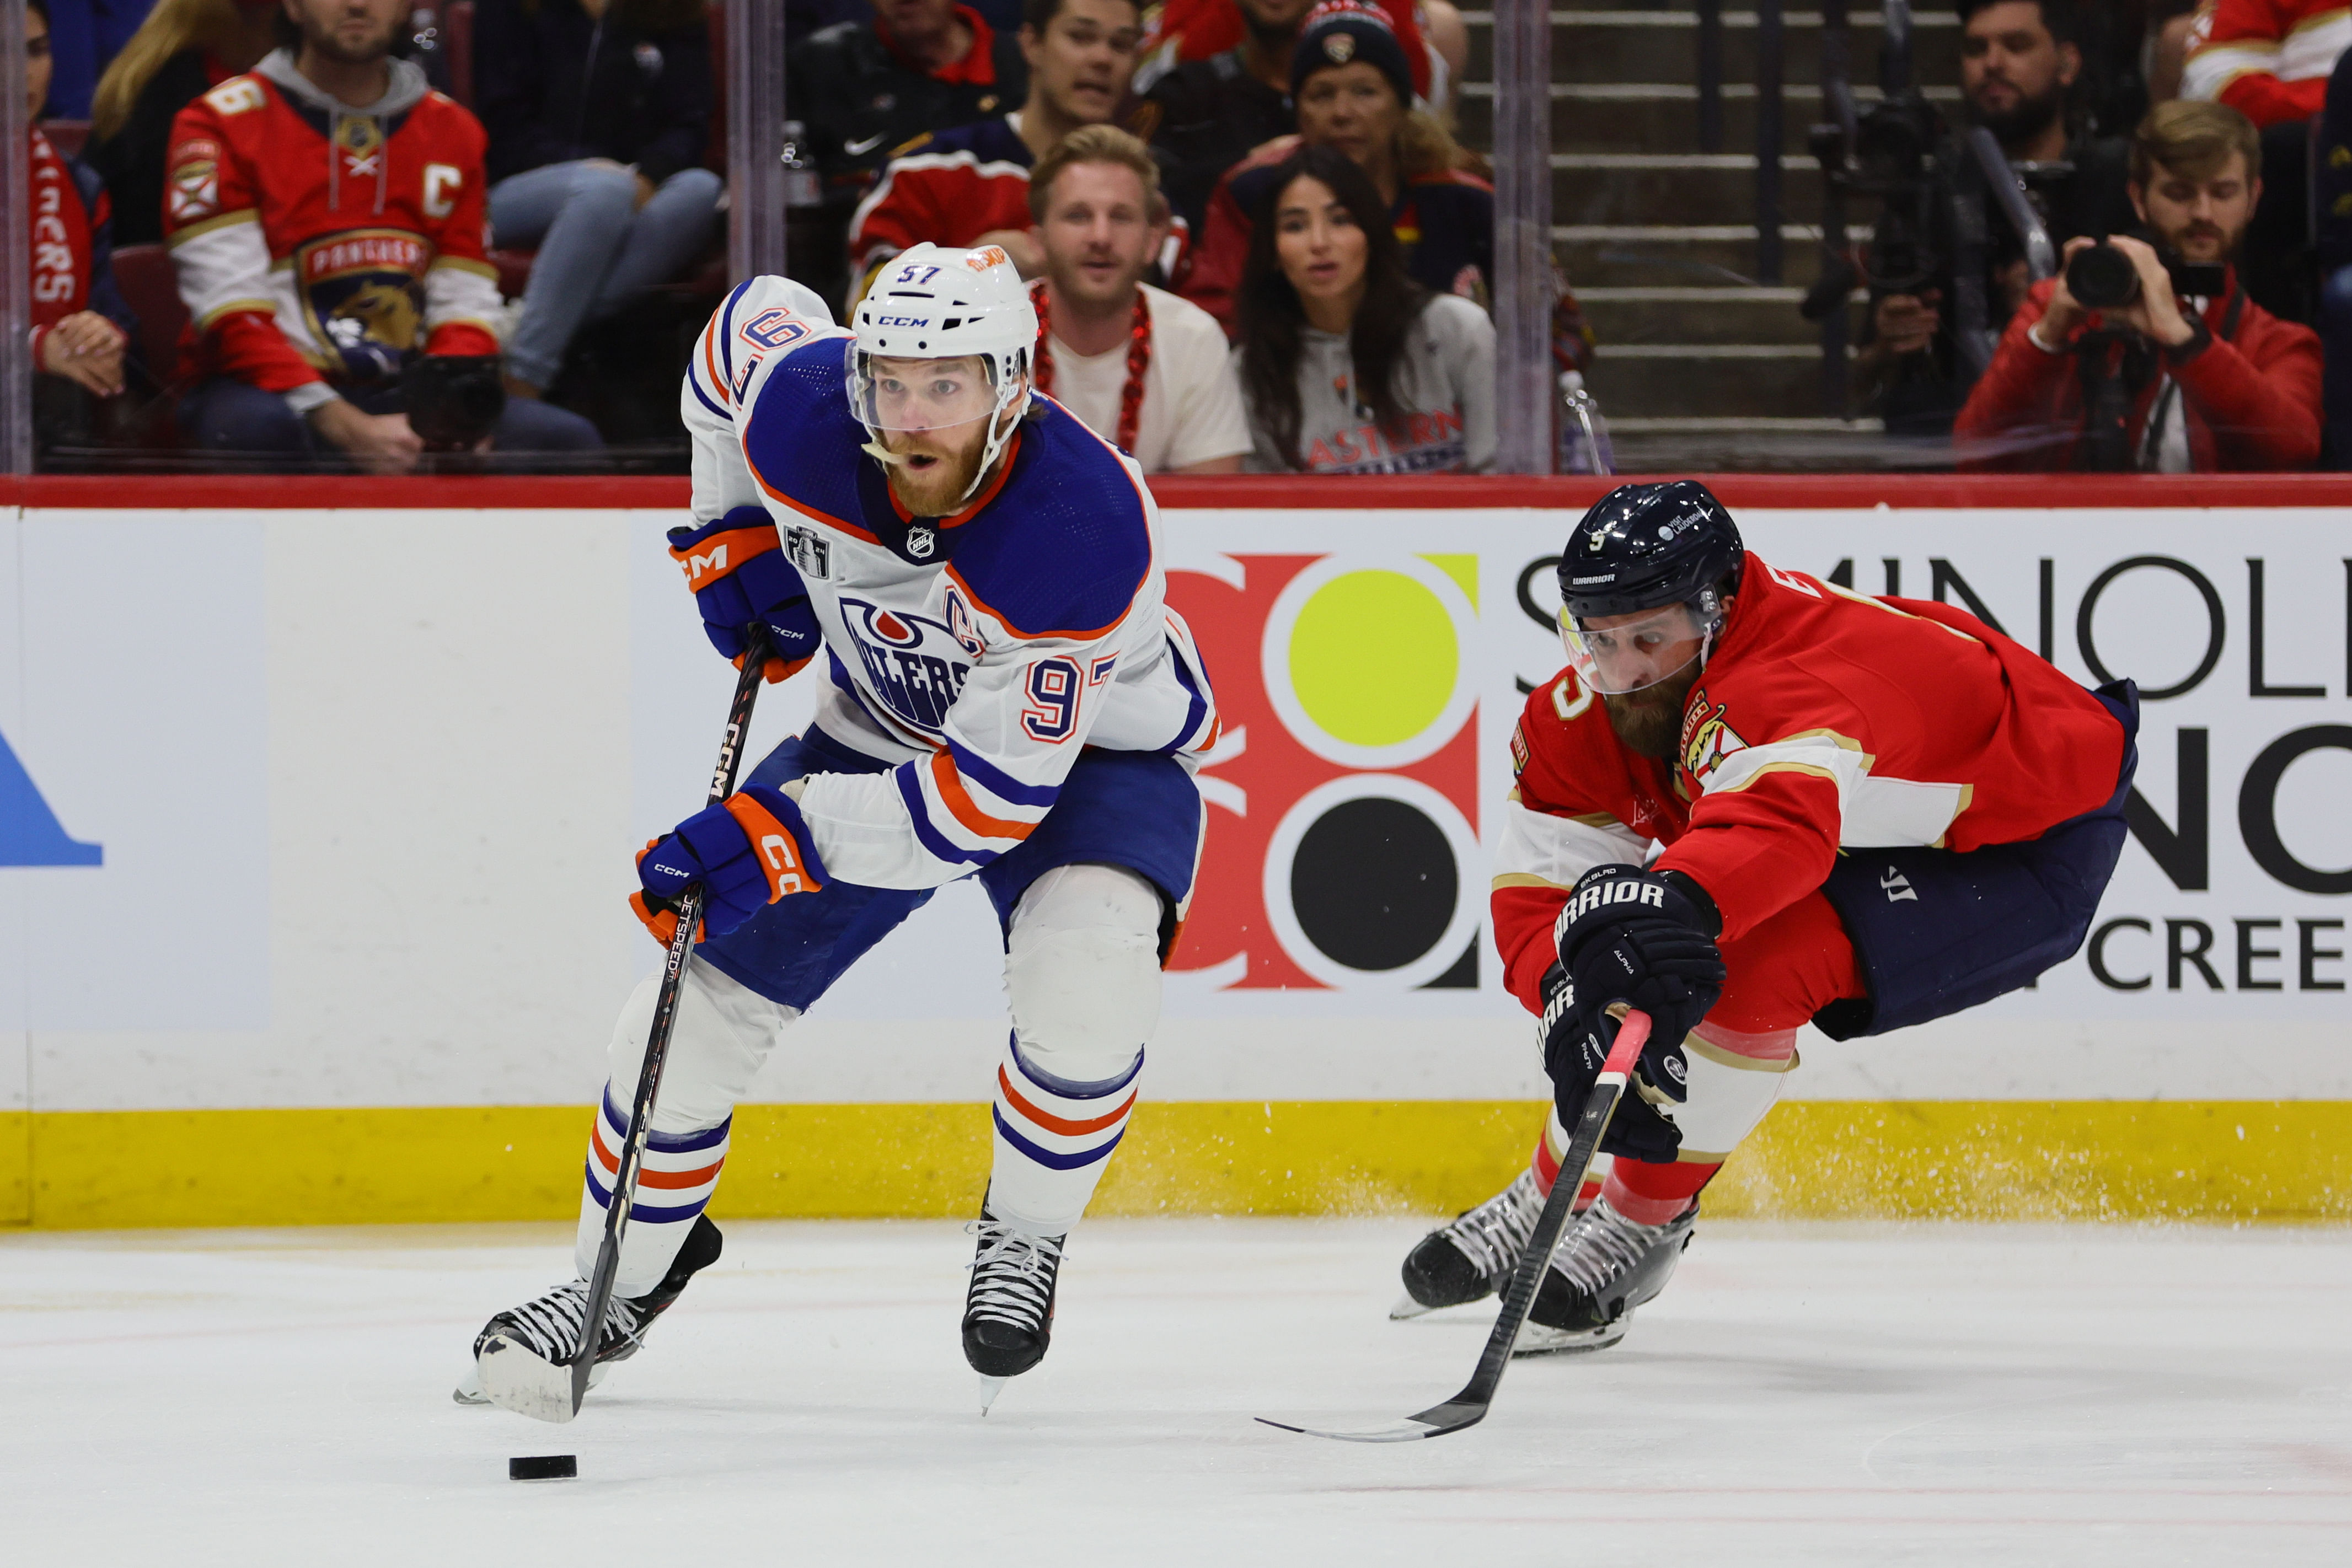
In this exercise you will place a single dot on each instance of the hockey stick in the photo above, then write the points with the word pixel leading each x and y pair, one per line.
pixel 522 1382
pixel 1469 1407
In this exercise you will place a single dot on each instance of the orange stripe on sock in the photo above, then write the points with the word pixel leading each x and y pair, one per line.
pixel 1061 1125
pixel 671 1179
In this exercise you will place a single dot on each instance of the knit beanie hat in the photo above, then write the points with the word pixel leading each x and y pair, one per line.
pixel 1339 32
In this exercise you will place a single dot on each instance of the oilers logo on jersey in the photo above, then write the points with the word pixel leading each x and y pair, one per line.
pixel 915 664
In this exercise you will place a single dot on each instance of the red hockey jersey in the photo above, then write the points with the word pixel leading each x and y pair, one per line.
pixel 1824 720
pixel 308 234
pixel 2268 60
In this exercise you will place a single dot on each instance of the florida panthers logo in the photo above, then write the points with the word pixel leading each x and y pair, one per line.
pixel 1707 739
pixel 915 664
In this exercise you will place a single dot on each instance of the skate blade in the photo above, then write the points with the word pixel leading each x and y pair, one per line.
pixel 1537 1340
pixel 990 1388
pixel 513 1378
pixel 1406 1307
pixel 468 1391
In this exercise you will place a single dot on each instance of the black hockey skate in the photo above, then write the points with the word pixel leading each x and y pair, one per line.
pixel 550 1327
pixel 1605 1266
pixel 1471 1257
pixel 1008 1310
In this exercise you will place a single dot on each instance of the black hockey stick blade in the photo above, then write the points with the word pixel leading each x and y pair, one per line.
pixel 515 1379
pixel 1469 1407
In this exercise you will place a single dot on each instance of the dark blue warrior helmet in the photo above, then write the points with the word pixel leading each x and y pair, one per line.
pixel 1652 564
pixel 1646 545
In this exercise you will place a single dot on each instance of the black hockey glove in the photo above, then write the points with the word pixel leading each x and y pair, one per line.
pixel 1573 1052
pixel 1629 935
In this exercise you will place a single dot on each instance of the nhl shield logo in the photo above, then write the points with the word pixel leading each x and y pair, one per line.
pixel 921 542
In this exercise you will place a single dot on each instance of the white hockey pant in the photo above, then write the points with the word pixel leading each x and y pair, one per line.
pixel 1082 972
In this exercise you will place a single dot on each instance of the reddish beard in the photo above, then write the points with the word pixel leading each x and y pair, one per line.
pixel 1649 722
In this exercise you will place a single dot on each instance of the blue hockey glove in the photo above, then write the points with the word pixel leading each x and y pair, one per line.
pixel 1573 1051
pixel 1630 936
pixel 741 579
pixel 747 851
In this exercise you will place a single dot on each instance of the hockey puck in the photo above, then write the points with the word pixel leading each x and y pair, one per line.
pixel 544 1468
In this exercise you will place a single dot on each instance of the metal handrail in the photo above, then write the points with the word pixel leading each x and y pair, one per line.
pixel 1768 141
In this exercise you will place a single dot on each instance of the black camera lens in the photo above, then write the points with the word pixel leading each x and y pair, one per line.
pixel 2101 278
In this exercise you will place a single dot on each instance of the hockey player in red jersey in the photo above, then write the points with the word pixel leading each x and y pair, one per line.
pixel 325 217
pixel 1873 812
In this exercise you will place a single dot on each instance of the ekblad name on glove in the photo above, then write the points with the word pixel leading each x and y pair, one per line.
pixel 741 578
pixel 749 851
pixel 1646 939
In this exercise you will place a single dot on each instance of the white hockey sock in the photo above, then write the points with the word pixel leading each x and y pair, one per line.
pixel 1054 1139
pixel 674 1185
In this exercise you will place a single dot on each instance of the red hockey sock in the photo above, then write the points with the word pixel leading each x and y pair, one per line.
pixel 1653 1193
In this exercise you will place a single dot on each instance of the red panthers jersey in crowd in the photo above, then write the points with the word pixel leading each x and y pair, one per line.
pixel 952 186
pixel 309 238
pixel 2268 60
pixel 1824 719
pixel 1181 30
pixel 64 231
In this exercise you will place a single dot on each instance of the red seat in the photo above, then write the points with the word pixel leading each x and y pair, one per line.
pixel 151 289
pixel 457 48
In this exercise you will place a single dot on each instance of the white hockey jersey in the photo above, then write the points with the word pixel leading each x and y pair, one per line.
pixel 977 654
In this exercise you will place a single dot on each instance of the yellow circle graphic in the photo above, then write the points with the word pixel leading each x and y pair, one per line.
pixel 1373 658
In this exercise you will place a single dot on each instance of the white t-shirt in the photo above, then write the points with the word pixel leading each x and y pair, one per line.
pixel 1192 399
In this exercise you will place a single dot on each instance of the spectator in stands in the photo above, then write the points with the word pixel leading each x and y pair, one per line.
pixel 598 113
pixel 186 48
pixel 1353 88
pixel 969 185
pixel 2164 384
pixel 2268 60
pixel 327 210
pixel 1193 32
pixel 1203 114
pixel 2019 61
pixel 80 326
pixel 1137 366
pixel 1349 366
pixel 866 88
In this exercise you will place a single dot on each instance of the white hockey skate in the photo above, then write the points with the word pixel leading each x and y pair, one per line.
pixel 1471 1257
pixel 1606 1265
pixel 522 1356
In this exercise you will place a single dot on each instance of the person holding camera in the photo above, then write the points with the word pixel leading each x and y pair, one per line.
pixel 2020 63
pixel 2145 353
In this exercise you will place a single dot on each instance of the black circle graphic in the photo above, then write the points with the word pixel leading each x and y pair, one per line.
pixel 1373 883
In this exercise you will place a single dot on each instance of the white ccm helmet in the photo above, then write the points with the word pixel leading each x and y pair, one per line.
pixel 931 302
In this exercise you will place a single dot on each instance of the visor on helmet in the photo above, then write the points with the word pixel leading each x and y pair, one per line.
pixel 920 394
pixel 1632 652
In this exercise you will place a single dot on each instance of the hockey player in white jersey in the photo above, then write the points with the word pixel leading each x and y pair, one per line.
pixel 1007 698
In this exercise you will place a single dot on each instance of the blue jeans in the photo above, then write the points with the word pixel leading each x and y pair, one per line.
pixel 224 415
pixel 598 249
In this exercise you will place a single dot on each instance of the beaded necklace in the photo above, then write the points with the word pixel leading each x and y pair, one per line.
pixel 1138 361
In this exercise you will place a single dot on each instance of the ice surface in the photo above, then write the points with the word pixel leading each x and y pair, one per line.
pixel 1938 1394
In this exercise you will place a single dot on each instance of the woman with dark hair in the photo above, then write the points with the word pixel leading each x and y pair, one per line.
pixel 1347 365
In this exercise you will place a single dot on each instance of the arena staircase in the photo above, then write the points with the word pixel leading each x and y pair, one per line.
pixel 1700 364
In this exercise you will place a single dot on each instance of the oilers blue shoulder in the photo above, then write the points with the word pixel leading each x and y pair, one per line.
pixel 1066 546
pixel 800 438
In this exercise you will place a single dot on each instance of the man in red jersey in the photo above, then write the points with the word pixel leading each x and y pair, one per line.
pixel 325 219
pixel 1873 812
